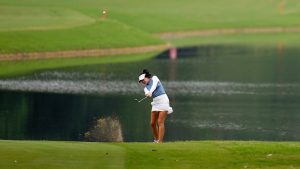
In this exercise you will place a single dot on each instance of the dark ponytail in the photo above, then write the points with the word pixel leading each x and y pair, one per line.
pixel 147 74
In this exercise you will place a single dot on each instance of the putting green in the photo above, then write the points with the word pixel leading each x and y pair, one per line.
pixel 35 18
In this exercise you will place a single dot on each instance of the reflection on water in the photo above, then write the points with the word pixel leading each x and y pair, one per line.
pixel 131 87
pixel 217 92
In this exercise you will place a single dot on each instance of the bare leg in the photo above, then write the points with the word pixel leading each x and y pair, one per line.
pixel 153 123
pixel 161 125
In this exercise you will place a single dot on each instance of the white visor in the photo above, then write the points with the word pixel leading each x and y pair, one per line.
pixel 142 77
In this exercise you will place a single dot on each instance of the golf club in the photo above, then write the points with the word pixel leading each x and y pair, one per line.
pixel 141 99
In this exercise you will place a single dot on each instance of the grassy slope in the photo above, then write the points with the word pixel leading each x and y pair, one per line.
pixel 23 67
pixel 185 155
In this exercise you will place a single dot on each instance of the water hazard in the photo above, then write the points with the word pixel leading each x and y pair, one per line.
pixel 217 92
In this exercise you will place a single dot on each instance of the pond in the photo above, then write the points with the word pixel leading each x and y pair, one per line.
pixel 217 93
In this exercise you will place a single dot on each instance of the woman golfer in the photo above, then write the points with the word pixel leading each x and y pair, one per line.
pixel 160 105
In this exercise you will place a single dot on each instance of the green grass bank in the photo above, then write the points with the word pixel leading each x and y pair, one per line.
pixel 9 68
pixel 179 155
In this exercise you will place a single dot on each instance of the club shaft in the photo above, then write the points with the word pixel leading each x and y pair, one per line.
pixel 143 99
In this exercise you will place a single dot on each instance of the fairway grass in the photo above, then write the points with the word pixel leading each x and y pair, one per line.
pixel 171 155
pixel 168 15
pixel 17 18
pixel 59 155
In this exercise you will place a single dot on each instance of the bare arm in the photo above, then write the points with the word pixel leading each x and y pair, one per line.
pixel 153 87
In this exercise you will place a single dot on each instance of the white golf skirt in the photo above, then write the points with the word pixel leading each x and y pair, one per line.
pixel 161 103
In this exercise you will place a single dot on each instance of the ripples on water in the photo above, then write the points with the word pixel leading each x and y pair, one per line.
pixel 95 83
pixel 204 124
